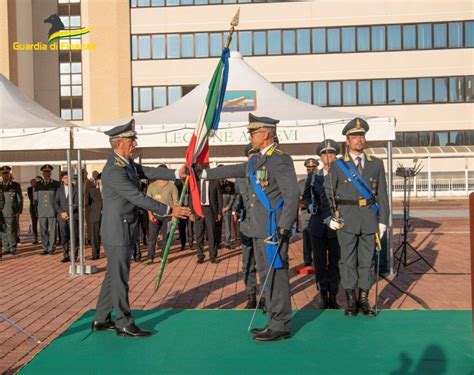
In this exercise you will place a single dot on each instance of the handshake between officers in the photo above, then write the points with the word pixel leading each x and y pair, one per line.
pixel 122 199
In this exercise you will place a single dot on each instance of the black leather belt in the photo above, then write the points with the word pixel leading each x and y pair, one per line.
pixel 360 202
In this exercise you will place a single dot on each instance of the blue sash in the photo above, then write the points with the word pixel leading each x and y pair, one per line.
pixel 272 246
pixel 358 181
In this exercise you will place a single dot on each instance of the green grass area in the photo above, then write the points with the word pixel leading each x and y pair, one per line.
pixel 217 342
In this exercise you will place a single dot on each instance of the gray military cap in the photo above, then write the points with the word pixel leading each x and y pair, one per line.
pixel 123 131
pixel 329 146
pixel 356 126
pixel 261 122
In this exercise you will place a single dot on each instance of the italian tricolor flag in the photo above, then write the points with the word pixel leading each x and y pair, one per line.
pixel 198 148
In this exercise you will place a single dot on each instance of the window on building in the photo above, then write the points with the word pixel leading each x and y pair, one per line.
pixel 172 46
pixel 456 138
pixel 319 40
pixel 364 93
pixel 409 36
pixel 440 32
pixel 289 42
pixel 424 36
pixel 348 39
pixel 278 85
pixel 134 47
pixel 379 91
pixel 320 94
pixel 425 139
pixel 398 139
pixel 187 45
pixel 158 46
pixel 303 38
pixel 216 44
pixel 425 90
pixel 469 137
pixel 245 43
pixel 469 88
pixel 145 99
pixel 334 40
pixel 394 91
pixel 290 89
pixel 349 92
pixel 409 91
pixel 144 49
pixel 363 39
pixel 202 45
pixel 411 139
pixel 455 33
pixel 394 37
pixel 456 89
pixel 334 93
pixel 304 91
pixel 469 34
pixel 441 139
pixel 274 42
pixel 378 38
pixel 260 43
pixel 159 97
pixel 174 93
pixel 441 90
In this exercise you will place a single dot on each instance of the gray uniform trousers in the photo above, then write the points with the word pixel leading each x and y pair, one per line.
pixel 356 266
pixel 48 227
pixel 9 234
pixel 114 292
pixel 248 265
pixel 227 224
pixel 278 304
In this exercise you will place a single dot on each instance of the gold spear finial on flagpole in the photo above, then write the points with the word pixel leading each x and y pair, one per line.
pixel 234 23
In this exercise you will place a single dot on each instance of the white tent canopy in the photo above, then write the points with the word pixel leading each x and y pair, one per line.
pixel 26 125
pixel 247 91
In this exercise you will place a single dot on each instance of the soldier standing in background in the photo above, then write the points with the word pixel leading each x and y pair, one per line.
pixel 12 209
pixel 45 194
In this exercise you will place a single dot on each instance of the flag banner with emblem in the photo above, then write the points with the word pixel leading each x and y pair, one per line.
pixel 198 148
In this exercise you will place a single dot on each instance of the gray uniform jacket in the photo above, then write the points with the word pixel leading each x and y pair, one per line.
pixel 45 195
pixel 281 178
pixel 357 219
pixel 2 204
pixel 122 198
pixel 315 195
pixel 242 205
pixel 94 201
pixel 13 199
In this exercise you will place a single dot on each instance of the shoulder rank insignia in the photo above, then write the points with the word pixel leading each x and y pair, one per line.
pixel 274 150
pixel 119 162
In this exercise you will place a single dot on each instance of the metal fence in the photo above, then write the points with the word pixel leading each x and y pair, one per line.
pixel 423 187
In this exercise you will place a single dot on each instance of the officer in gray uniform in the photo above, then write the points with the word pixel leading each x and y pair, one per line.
pixel 242 208
pixel 122 199
pixel 325 247
pixel 311 165
pixel 45 196
pixel 12 210
pixel 274 173
pixel 364 218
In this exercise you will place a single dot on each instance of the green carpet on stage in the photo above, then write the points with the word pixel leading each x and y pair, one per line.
pixel 216 342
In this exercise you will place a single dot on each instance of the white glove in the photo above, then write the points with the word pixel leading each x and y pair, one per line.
pixel 335 225
pixel 382 229
pixel 311 209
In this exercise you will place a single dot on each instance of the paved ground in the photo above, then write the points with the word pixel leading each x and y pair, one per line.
pixel 38 294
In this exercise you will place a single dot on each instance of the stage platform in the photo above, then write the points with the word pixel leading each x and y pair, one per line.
pixel 217 342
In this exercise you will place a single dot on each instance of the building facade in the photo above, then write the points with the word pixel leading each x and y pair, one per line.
pixel 409 59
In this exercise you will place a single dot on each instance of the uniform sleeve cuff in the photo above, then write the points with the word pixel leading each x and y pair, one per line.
pixel 176 174
pixel 204 174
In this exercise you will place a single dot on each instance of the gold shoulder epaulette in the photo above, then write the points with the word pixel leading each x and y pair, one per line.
pixel 119 162
pixel 371 157
pixel 347 157
pixel 275 149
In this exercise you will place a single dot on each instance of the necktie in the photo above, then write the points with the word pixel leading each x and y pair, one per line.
pixel 203 192
pixel 359 165
pixel 65 190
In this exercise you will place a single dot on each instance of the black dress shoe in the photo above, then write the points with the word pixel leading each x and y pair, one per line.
pixel 251 302
pixel 333 302
pixel 44 252
pixel 200 261
pixel 65 260
pixel 270 335
pixel 258 331
pixel 364 303
pixel 214 260
pixel 352 309
pixel 324 300
pixel 103 326
pixel 132 330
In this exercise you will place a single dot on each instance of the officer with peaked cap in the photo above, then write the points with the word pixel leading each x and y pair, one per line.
pixel 122 199
pixel 12 209
pixel 357 187
pixel 311 165
pixel 274 196
pixel 45 195
pixel 325 247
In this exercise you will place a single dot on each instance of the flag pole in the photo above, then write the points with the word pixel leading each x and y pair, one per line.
pixel 234 23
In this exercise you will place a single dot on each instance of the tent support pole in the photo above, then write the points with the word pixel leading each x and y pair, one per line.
pixel 390 194
pixel 72 230
pixel 80 185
